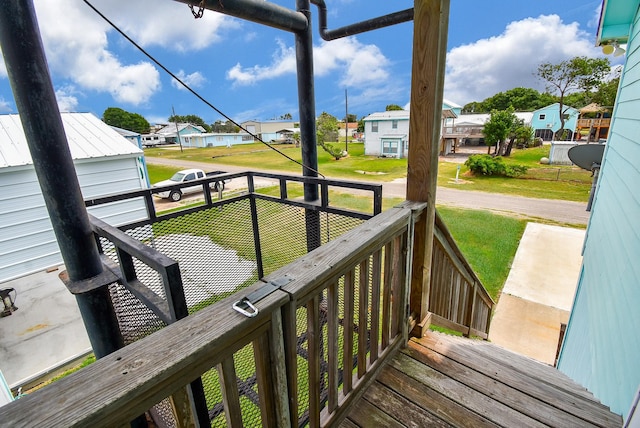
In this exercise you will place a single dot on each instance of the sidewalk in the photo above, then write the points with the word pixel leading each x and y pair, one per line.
pixel 539 291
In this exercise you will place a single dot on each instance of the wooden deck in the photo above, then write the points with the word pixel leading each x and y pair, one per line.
pixel 447 381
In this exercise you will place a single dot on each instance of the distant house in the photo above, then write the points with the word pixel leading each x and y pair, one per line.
pixel 467 128
pixel 546 121
pixel 386 133
pixel 172 133
pixel 105 162
pixel 593 123
pixel 601 348
pixel 216 139
pixel 352 129
pixel 267 131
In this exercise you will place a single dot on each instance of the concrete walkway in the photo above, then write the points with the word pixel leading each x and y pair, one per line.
pixel 46 331
pixel 539 291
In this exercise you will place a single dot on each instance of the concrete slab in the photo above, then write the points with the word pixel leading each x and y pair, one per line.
pixel 528 328
pixel 546 266
pixel 539 291
pixel 45 332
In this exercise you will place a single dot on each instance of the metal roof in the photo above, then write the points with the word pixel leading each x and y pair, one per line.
pixel 88 137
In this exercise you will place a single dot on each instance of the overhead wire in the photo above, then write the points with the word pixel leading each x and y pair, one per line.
pixel 195 93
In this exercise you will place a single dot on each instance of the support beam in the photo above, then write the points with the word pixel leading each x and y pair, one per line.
pixel 307 109
pixel 431 21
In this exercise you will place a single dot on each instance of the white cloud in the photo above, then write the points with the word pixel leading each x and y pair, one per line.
pixel 283 62
pixel 67 101
pixel 193 80
pixel 77 43
pixel 482 69
pixel 5 106
pixel 360 65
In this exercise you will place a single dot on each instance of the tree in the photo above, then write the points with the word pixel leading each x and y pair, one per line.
pixel 606 93
pixel 286 116
pixel 521 99
pixel 224 127
pixel 117 117
pixel 577 74
pixel 326 128
pixel 351 118
pixel 190 118
pixel 500 125
pixel 392 107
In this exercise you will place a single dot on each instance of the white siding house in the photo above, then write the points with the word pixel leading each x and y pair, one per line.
pixel 386 133
pixel 105 163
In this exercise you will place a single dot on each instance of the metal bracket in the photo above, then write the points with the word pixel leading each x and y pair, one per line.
pixel 246 305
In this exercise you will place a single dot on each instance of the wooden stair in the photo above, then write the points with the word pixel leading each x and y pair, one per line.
pixel 448 381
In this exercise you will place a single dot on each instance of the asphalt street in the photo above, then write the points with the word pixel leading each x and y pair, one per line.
pixel 532 208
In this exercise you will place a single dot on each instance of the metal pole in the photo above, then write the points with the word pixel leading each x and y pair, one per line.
pixel 33 91
pixel 346 122
pixel 307 108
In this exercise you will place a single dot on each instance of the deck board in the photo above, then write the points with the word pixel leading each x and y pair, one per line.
pixel 443 380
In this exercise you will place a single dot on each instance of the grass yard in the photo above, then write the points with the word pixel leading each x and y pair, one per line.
pixel 568 183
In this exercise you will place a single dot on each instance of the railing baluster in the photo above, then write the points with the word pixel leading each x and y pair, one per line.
pixel 332 346
pixel 313 349
pixel 386 294
pixel 230 396
pixel 396 283
pixel 376 272
pixel 363 305
pixel 262 359
pixel 347 331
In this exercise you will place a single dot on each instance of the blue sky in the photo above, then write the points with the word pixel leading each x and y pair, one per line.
pixel 248 70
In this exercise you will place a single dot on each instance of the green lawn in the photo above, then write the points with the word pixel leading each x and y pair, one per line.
pixel 568 183
pixel 541 181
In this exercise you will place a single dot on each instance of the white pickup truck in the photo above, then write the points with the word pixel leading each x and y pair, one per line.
pixel 188 175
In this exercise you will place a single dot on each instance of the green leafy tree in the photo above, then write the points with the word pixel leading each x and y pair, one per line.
pixel 120 118
pixel 361 125
pixel 286 116
pixel 326 128
pixel 573 75
pixel 392 107
pixel 500 125
pixel 224 127
pixel 606 93
pixel 521 99
pixel 190 118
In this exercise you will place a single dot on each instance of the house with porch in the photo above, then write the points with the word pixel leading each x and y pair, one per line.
pixel 546 121
pixel 215 139
pixel 173 133
pixel 593 123
pixel 386 134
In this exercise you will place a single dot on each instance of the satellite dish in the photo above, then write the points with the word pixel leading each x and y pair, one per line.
pixel 589 157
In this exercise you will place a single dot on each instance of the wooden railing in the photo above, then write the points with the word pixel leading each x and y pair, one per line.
pixel 458 300
pixel 326 326
pixel 596 123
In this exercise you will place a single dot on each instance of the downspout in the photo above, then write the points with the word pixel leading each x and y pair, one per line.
pixel 360 27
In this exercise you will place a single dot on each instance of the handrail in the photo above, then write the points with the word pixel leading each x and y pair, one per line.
pixel 458 299
pixel 353 288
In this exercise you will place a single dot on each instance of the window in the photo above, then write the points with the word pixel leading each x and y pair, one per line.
pixel 390 148
pixel 374 126
pixel 190 177
pixel 542 116
pixel 394 124
pixel 565 116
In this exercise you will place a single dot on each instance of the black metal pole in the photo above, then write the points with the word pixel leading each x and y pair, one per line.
pixel 33 91
pixel 307 108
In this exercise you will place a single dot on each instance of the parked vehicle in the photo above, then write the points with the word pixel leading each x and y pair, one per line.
pixel 188 175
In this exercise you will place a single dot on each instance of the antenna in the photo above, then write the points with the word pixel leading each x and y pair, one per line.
pixel 589 157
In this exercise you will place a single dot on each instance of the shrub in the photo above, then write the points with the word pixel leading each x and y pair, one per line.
pixel 489 165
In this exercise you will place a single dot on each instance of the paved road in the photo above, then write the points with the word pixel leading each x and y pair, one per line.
pixel 550 209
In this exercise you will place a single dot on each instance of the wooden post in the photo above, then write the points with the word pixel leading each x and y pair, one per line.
pixel 430 22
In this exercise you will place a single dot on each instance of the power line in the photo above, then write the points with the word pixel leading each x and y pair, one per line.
pixel 197 95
